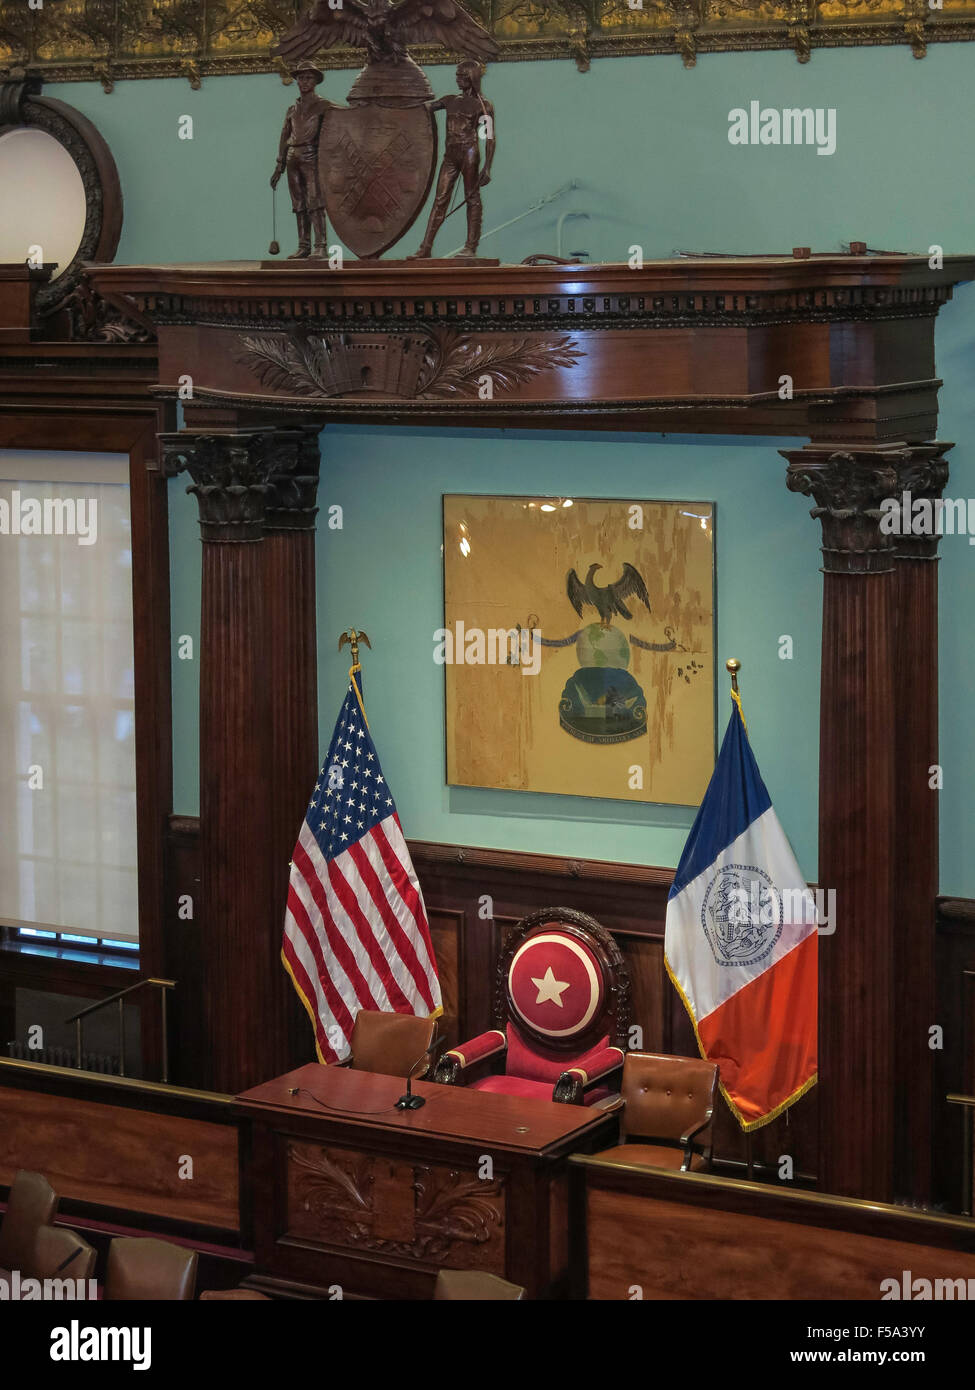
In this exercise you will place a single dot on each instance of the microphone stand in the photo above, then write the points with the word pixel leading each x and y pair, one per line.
pixel 408 1101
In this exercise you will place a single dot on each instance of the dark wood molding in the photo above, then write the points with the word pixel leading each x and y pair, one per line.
pixel 684 345
pixel 427 852
pixel 22 106
pixel 125 420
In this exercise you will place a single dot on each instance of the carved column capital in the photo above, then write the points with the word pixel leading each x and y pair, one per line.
pixel 231 480
pixel 295 462
pixel 922 474
pixel 859 494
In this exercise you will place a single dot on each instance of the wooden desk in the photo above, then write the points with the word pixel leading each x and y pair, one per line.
pixel 376 1199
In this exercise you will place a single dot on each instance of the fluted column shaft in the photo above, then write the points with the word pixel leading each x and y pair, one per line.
pixel 875 970
pixel 249 693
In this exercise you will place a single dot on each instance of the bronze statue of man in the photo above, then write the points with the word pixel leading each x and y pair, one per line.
pixel 298 153
pixel 468 117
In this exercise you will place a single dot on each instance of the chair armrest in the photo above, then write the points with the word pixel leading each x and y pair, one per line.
pixel 685 1139
pixel 452 1065
pixel 609 1104
pixel 592 1067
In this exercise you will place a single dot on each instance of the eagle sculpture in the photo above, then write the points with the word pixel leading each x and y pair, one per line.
pixel 385 29
pixel 608 600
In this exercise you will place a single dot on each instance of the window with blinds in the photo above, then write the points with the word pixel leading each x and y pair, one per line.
pixel 67 709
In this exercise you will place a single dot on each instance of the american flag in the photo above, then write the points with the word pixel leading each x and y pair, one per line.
pixel 356 934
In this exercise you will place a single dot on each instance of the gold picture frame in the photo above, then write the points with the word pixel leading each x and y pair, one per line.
pixel 579 646
pixel 110 40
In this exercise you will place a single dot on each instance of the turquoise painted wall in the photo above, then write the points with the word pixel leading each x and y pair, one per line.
pixel 647 143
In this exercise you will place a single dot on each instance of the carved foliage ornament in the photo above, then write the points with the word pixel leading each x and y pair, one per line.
pixel 427 364
pixel 454 1218
pixel 105 40
pixel 849 487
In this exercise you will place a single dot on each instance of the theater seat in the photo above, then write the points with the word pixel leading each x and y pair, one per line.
pixel 31 1204
pixel 474 1286
pixel 148 1269
pixel 667 1104
pixel 62 1254
pixel 236 1295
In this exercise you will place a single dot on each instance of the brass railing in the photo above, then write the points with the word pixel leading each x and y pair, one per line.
pixel 162 985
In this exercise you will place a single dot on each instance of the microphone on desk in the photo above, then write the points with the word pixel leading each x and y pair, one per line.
pixel 408 1101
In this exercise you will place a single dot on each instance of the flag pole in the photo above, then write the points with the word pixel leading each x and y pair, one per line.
pixel 733 666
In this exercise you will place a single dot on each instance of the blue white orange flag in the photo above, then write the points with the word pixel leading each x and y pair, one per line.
pixel 356 934
pixel 741 941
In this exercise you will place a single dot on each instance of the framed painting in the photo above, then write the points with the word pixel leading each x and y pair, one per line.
pixel 578 646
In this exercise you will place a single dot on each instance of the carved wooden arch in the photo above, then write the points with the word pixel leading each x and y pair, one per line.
pixel 606 950
pixel 22 106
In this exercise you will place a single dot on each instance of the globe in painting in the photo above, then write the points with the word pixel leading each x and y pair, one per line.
pixel 601 702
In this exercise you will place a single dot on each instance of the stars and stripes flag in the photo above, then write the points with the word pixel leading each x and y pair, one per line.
pixel 741 941
pixel 356 934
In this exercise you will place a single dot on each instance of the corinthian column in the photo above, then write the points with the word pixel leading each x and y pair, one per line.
pixel 921 474
pixel 239 931
pixel 856 814
pixel 289 588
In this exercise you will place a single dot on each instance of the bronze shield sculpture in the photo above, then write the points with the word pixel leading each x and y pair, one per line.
pixel 375 167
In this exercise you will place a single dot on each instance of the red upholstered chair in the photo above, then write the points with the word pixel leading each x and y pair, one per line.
pixel 562 1003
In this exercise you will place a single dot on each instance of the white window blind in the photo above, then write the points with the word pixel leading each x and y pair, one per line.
pixel 67 711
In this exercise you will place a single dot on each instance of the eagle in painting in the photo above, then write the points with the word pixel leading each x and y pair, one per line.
pixel 608 599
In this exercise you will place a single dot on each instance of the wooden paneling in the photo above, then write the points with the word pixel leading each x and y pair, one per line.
pixel 679 1236
pixel 447 934
pixel 954 1061
pixel 121 1147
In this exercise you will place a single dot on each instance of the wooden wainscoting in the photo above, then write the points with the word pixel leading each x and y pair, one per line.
pixel 692 1236
pixel 954 1062
pixel 117 1149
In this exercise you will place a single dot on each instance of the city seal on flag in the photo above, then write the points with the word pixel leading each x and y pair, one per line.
pixel 741 914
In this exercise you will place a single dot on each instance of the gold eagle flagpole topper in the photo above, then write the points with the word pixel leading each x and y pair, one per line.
pixel 354 637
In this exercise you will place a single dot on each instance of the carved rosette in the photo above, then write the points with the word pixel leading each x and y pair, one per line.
pixel 859 501
pixel 231 480
pixel 295 461
pixel 848 487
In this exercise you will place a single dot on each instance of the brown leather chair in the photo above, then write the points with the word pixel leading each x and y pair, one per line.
pixel 473 1286
pixel 146 1269
pixel 389 1043
pixel 666 1109
pixel 31 1205
pixel 211 1295
pixel 62 1254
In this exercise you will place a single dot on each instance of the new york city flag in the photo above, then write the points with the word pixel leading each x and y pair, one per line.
pixel 741 941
